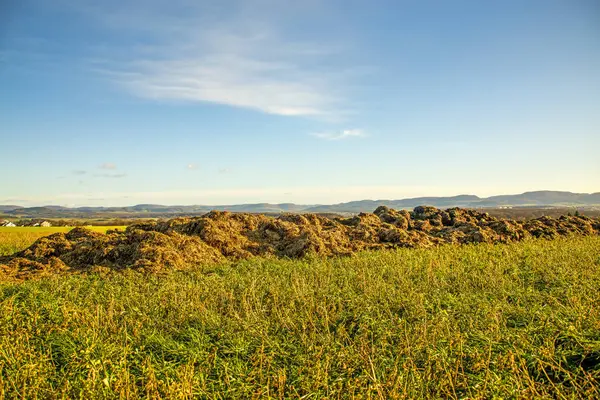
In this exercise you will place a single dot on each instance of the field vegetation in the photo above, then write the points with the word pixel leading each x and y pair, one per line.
pixel 517 320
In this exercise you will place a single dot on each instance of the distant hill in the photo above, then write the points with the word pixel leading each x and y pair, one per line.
pixel 370 205
pixel 535 199
pixel 544 197
pixel 539 198
pixel 8 208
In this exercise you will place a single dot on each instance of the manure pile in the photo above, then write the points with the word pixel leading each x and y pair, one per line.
pixel 218 236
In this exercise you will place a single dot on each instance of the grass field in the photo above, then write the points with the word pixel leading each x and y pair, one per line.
pixel 482 321
pixel 18 238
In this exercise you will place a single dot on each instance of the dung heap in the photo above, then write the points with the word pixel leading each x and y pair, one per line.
pixel 218 236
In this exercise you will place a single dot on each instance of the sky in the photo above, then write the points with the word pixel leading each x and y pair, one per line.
pixel 316 101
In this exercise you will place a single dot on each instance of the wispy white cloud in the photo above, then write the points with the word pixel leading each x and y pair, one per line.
pixel 107 165
pixel 243 60
pixel 109 175
pixel 234 81
pixel 345 134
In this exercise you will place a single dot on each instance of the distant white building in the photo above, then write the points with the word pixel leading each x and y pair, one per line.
pixel 8 224
pixel 43 224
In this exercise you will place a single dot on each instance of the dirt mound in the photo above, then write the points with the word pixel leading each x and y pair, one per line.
pixel 217 236
pixel 82 249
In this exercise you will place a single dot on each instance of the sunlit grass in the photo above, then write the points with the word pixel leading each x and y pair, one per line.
pixel 482 321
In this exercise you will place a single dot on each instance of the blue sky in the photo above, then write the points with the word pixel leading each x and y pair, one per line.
pixel 318 101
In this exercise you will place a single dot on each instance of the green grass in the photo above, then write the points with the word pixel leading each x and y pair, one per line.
pixel 484 321
pixel 18 238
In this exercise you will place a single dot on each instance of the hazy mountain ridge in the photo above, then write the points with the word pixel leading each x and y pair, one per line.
pixel 4 208
pixel 537 198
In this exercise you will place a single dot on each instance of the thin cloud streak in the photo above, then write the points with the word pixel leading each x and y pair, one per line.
pixel 122 175
pixel 345 134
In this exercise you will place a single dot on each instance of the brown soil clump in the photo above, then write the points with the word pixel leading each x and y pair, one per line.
pixel 217 236
pixel 82 249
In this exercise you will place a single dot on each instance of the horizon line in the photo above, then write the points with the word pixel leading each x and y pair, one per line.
pixel 10 203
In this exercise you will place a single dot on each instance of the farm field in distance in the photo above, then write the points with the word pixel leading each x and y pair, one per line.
pixel 519 320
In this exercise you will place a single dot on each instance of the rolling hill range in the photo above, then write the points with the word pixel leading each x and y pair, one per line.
pixel 528 199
